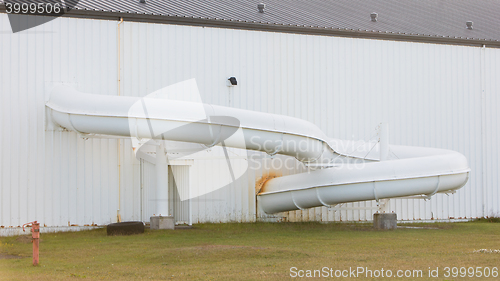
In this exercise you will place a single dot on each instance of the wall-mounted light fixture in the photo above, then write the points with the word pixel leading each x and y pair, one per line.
pixel 231 81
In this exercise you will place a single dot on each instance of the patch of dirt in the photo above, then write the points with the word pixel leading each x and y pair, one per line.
pixel 488 251
pixel 419 227
pixel 183 226
pixel 5 257
pixel 228 247
pixel 221 247
pixel 366 227
pixel 25 239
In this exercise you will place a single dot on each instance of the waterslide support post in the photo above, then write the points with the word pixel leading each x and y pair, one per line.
pixel 383 219
pixel 162 220
pixel 161 181
pixel 383 205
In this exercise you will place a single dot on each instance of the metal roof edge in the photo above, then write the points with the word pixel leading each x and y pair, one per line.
pixel 323 31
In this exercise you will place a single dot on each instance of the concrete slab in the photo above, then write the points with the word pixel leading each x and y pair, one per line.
pixel 160 222
pixel 385 221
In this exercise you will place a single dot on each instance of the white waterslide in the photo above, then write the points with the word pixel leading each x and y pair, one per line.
pixel 344 172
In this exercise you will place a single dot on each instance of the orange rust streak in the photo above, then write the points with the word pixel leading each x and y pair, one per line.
pixel 260 184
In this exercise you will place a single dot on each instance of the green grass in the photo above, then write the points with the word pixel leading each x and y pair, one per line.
pixel 251 251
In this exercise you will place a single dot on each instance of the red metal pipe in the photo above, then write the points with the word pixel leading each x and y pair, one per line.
pixel 35 235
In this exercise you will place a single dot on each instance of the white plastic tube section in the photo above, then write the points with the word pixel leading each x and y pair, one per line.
pixel 180 121
pixel 419 171
pixel 161 181
pixel 416 171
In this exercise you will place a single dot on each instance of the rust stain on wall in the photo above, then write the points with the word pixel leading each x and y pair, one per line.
pixel 260 184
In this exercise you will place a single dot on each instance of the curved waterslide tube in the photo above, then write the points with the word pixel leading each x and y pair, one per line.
pixel 425 171
pixel 417 171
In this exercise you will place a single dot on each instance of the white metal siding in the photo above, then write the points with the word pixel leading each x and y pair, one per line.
pixel 179 176
pixel 491 136
pixel 148 190
pixel 56 178
pixel 432 95
pixel 233 202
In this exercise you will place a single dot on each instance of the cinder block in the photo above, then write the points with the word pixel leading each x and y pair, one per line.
pixel 160 222
pixel 385 220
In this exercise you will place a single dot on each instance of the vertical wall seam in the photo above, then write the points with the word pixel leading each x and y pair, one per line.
pixel 118 215
pixel 484 153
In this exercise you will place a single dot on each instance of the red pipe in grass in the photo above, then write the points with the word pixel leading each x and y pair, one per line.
pixel 35 235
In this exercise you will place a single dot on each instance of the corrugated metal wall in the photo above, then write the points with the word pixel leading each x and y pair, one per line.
pixel 220 199
pixel 431 95
pixel 148 190
pixel 490 117
pixel 55 177
pixel 179 182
